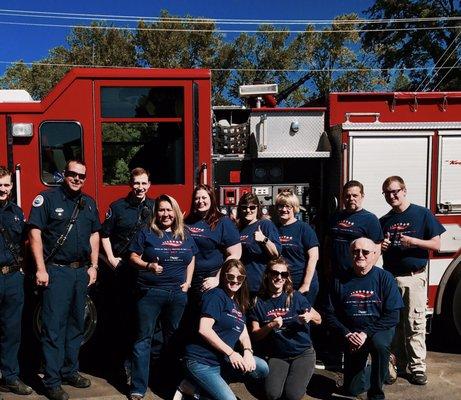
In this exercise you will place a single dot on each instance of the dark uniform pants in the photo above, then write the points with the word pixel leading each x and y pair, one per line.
pixel 63 317
pixel 11 304
pixel 360 377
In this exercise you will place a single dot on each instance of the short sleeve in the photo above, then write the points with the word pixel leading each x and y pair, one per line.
pixel 432 227
pixel 230 234
pixel 255 313
pixel 109 223
pixel 392 297
pixel 375 231
pixel 38 216
pixel 137 245
pixel 213 305
pixel 96 225
pixel 271 231
pixel 302 304
pixel 308 237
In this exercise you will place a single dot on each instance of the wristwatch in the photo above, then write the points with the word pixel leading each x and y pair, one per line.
pixel 266 239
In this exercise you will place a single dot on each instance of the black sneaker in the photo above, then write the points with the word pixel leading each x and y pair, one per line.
pixel 56 393
pixel 77 381
pixel 418 378
pixel 16 387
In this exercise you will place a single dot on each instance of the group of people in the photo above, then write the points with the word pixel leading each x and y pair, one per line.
pixel 231 299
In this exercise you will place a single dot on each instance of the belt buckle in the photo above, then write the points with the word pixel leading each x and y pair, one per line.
pixel 5 269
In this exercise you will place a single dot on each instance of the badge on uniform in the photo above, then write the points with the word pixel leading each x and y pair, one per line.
pixel 38 201
pixel 59 211
pixel 109 213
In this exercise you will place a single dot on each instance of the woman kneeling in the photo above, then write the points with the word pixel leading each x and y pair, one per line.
pixel 280 321
pixel 212 356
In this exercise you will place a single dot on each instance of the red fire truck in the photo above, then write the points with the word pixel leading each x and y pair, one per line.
pixel 162 120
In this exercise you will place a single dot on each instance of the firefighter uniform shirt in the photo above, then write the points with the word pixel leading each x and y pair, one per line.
pixel 297 238
pixel 172 253
pixel 51 211
pixel 293 338
pixel 254 255
pixel 345 227
pixel 417 222
pixel 229 325
pixel 12 220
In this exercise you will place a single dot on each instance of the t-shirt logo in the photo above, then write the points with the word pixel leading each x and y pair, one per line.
pixel 243 238
pixel 172 243
pixel 278 312
pixel 345 224
pixel 361 294
pixel 399 227
pixel 286 239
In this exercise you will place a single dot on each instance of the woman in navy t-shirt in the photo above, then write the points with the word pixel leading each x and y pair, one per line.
pixel 259 238
pixel 280 321
pixel 164 254
pixel 222 324
pixel 300 246
pixel 216 237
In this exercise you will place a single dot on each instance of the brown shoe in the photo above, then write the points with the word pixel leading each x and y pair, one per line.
pixel 392 376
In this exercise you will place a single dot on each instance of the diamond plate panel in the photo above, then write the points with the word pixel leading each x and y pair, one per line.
pixel 275 139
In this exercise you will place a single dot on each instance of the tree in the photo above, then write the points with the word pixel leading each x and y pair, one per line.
pixel 401 45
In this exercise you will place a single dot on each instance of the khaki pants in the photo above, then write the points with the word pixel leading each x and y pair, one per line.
pixel 409 345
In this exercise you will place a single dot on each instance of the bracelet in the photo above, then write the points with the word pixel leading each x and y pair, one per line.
pixel 249 349
pixel 147 265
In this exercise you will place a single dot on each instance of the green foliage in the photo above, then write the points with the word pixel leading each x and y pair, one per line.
pixel 400 45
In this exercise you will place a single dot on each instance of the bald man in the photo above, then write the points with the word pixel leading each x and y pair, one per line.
pixel 363 306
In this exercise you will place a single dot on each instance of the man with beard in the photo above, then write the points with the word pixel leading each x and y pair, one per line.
pixel 64 241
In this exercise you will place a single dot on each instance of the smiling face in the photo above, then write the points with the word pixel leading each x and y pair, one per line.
pixel 202 201
pixel 234 280
pixel 363 255
pixel 353 198
pixel 395 195
pixel 5 187
pixel 139 186
pixel 249 212
pixel 75 176
pixel 165 215
pixel 285 212
pixel 277 276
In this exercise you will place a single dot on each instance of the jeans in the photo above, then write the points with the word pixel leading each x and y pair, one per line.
pixel 152 303
pixel 360 377
pixel 63 316
pixel 289 377
pixel 11 304
pixel 210 378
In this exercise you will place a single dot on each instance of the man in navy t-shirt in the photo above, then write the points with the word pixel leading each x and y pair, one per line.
pixel 410 232
pixel 347 225
pixel 363 306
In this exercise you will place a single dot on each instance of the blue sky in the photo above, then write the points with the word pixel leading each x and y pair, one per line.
pixel 31 43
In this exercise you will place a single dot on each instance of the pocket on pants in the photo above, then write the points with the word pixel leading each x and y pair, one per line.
pixel 418 319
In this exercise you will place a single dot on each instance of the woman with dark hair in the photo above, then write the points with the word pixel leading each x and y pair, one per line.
pixel 216 237
pixel 259 238
pixel 280 321
pixel 300 246
pixel 164 254
pixel 222 324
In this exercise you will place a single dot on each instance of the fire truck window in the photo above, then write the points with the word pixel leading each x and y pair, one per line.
pixel 59 142
pixel 142 102
pixel 156 147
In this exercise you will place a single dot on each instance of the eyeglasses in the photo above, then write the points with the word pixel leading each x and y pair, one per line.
pixel 356 252
pixel 251 208
pixel 233 278
pixel 392 192
pixel 73 174
pixel 282 206
pixel 275 274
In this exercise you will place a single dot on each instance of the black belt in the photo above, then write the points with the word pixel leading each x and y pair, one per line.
pixel 411 273
pixel 75 264
pixel 8 269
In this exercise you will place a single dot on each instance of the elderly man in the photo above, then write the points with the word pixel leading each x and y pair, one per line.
pixel 363 306
pixel 410 232
pixel 64 241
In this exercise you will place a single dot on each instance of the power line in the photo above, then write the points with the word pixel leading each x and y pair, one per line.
pixel 206 20
pixel 446 74
pixel 325 31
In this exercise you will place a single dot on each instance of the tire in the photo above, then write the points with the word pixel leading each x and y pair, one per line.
pixel 91 319
pixel 451 311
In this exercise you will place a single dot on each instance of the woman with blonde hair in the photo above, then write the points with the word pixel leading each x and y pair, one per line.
pixel 280 322
pixel 300 246
pixel 164 254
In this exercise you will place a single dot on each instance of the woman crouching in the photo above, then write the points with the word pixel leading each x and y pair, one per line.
pixel 280 321
pixel 212 357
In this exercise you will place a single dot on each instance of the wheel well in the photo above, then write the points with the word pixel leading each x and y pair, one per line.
pixel 447 284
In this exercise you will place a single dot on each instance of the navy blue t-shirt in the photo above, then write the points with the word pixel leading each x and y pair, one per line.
pixel 293 338
pixel 12 220
pixel 254 256
pixel 417 222
pixel 229 325
pixel 359 301
pixel 345 227
pixel 173 254
pixel 51 211
pixel 297 238
pixel 211 244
